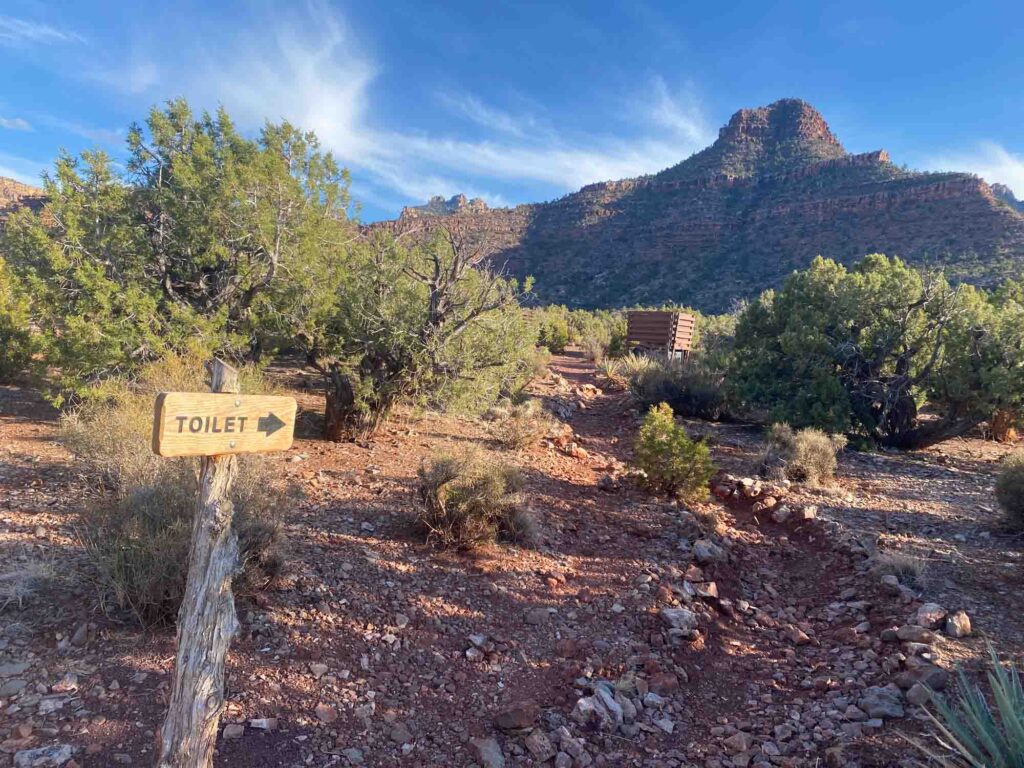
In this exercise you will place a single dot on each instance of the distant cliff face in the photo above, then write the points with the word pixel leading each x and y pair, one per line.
pixel 775 190
pixel 15 195
pixel 438 206
pixel 1004 193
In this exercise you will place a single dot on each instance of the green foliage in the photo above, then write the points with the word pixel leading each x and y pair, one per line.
pixel 17 342
pixel 552 328
pixel 805 456
pixel 694 386
pixel 600 333
pixel 865 348
pixel 673 463
pixel 466 501
pixel 138 539
pixel 1010 489
pixel 684 384
pixel 973 733
pixel 421 323
pixel 205 239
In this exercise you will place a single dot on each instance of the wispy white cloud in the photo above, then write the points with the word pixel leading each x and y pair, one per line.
pixel 104 136
pixel 131 77
pixel 990 160
pixel 491 118
pixel 15 124
pixel 679 113
pixel 20 32
pixel 310 68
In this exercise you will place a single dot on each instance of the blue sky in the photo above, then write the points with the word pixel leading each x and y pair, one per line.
pixel 518 101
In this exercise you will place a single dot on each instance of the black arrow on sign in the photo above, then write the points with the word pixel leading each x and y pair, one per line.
pixel 269 424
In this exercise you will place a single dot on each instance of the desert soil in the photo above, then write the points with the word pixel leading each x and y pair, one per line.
pixel 381 650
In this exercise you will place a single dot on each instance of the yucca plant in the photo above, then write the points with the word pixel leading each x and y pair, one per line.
pixel 632 365
pixel 610 369
pixel 974 734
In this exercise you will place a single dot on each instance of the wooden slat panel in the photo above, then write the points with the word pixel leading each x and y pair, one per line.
pixel 207 424
pixel 658 328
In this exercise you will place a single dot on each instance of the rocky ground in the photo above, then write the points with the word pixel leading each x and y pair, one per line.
pixel 748 630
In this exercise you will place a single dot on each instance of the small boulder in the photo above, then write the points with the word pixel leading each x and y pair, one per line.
pixel 540 746
pixel 707 552
pixel 915 634
pixel 958 624
pixel 488 753
pixel 325 713
pixel 52 756
pixel 883 701
pixel 517 717
pixel 738 742
pixel 919 694
pixel 930 616
pixel 679 618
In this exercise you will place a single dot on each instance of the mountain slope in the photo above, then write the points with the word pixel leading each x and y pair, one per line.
pixel 15 195
pixel 774 190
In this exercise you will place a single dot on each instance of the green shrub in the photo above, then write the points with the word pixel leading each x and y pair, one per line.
pixel 553 329
pixel 1010 489
pixel 466 501
pixel 862 348
pixel 138 539
pixel 600 333
pixel 17 343
pixel 672 462
pixel 393 334
pixel 685 385
pixel 804 456
pixel 974 734
pixel 521 425
pixel 194 234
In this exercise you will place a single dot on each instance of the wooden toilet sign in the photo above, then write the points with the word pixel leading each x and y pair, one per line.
pixel 208 424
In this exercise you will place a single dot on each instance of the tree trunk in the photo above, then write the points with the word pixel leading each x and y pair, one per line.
pixel 1003 426
pixel 339 410
pixel 206 620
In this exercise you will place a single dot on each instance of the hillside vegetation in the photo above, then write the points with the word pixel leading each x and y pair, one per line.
pixel 775 190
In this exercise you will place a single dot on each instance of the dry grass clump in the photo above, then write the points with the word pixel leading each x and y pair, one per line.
pixel 1010 489
pixel 467 501
pixel 138 540
pixel 21 579
pixel 804 456
pixel 519 426
pixel 911 570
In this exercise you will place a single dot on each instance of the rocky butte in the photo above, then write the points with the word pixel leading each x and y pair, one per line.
pixel 775 189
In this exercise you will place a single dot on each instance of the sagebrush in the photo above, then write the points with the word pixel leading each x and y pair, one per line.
pixel 672 463
pixel 468 500
pixel 138 536
pixel 685 385
pixel 1010 489
pixel 521 425
pixel 804 456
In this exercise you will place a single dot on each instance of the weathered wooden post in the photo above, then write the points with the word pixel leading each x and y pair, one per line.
pixel 214 426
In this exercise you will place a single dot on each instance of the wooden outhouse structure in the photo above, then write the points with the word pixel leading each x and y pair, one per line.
pixel 665 332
